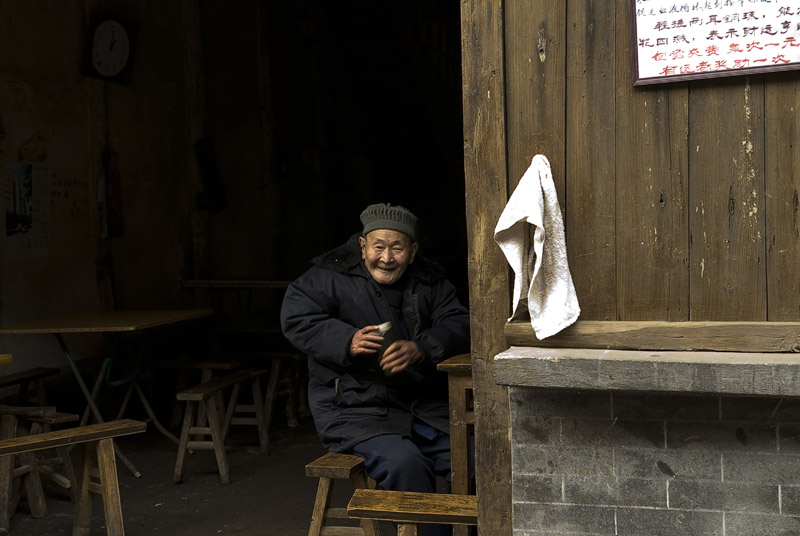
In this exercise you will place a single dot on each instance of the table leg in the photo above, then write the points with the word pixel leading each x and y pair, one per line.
pixel 92 406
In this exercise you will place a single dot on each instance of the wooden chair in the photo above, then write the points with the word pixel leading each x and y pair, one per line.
pixel 411 509
pixel 327 469
pixel 206 396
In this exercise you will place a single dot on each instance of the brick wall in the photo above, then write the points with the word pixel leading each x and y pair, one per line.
pixel 613 463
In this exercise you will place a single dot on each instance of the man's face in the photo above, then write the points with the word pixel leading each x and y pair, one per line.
pixel 387 254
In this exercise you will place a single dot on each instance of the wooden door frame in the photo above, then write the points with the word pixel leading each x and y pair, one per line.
pixel 486 176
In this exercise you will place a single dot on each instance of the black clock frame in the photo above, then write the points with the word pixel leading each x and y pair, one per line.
pixel 87 69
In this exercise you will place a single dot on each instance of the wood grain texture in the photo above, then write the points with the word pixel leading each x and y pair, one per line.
pixel 442 508
pixel 652 129
pixel 654 335
pixel 782 178
pixel 486 195
pixel 731 373
pixel 535 87
pixel 727 212
pixel 590 160
pixel 71 436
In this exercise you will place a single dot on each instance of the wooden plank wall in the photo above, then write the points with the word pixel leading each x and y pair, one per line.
pixel 680 200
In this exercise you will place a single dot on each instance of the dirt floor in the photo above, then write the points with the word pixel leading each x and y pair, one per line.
pixel 268 495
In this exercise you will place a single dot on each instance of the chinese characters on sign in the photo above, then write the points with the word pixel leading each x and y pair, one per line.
pixel 675 40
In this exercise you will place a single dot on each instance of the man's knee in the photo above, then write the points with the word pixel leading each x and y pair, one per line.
pixel 397 463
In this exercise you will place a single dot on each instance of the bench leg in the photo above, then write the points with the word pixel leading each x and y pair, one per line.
pixel 218 439
pixel 8 429
pixel 272 390
pixel 33 485
pixel 99 456
pixel 407 529
pixel 112 504
pixel 263 433
pixel 321 504
pixel 82 524
pixel 188 419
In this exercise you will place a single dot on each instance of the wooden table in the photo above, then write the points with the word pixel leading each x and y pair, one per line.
pixel 109 322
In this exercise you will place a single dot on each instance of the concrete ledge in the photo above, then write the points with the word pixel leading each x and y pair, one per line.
pixel 763 374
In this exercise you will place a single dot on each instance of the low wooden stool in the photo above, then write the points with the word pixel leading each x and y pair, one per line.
pixel 28 381
pixel 328 468
pixel 23 466
pixel 206 396
pixel 66 478
pixel 411 509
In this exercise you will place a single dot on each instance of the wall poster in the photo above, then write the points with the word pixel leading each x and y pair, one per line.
pixel 674 40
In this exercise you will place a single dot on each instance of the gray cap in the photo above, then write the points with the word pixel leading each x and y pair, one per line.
pixel 386 216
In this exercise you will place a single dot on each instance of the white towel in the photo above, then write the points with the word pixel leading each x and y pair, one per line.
pixel 532 215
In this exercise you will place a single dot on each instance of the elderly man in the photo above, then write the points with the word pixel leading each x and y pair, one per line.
pixel 379 396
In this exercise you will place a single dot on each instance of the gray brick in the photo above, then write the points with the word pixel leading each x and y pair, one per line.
pixel 664 463
pixel 535 429
pixel 727 496
pixel 789 438
pixel 743 524
pixel 790 500
pixel 562 403
pixel 761 409
pixel 645 434
pixel 544 460
pixel 663 406
pixel 563 519
pixel 761 468
pixel 722 436
pixel 621 492
pixel 649 522
pixel 536 488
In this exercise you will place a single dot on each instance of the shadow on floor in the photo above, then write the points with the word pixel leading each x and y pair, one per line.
pixel 268 495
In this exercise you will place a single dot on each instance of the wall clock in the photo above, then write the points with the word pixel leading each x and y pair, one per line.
pixel 110 48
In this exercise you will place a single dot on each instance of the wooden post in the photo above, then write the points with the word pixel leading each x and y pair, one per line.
pixel 486 194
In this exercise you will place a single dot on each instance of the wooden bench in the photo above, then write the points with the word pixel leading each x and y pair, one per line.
pixel 99 467
pixel 23 381
pixel 410 509
pixel 206 396
pixel 327 469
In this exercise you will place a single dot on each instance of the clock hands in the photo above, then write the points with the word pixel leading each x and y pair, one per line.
pixel 111 44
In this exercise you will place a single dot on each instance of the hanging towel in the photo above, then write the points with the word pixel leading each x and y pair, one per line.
pixel 530 232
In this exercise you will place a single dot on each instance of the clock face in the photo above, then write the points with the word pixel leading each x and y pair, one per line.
pixel 110 48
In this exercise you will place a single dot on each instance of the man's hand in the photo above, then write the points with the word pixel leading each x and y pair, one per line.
pixel 366 341
pixel 399 356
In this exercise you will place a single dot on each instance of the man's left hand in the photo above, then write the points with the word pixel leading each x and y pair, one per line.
pixel 399 356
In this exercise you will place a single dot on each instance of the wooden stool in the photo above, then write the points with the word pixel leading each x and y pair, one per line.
pixel 184 365
pixel 66 478
pixel 99 465
pixel 281 382
pixel 411 509
pixel 23 466
pixel 327 468
pixel 27 379
pixel 206 396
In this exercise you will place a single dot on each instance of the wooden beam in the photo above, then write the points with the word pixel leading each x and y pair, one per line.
pixel 655 335
pixel 726 373
pixel 486 195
